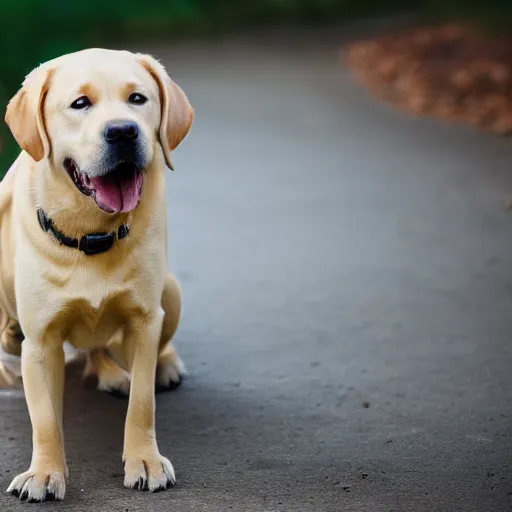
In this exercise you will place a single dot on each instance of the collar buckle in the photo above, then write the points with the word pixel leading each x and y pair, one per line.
pixel 96 243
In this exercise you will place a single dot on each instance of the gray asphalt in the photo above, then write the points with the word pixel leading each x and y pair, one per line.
pixel 347 278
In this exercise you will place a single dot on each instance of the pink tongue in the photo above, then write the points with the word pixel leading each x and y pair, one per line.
pixel 119 193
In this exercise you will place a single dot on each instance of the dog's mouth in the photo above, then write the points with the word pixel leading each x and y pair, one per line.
pixel 117 191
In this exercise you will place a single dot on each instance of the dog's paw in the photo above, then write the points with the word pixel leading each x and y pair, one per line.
pixel 108 376
pixel 114 381
pixel 36 486
pixel 150 474
pixel 170 371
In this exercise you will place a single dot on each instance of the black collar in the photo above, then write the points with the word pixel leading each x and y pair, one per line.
pixel 90 244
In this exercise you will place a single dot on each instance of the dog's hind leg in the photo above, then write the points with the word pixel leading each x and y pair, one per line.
pixel 7 378
pixel 12 337
pixel 170 369
pixel 10 352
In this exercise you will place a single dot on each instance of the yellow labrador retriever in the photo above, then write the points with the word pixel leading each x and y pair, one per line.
pixel 83 249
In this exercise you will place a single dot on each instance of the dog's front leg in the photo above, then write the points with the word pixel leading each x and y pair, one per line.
pixel 42 368
pixel 144 467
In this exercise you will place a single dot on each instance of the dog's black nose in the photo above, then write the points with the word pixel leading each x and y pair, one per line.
pixel 121 131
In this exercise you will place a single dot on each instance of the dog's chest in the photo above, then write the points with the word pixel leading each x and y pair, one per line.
pixel 87 323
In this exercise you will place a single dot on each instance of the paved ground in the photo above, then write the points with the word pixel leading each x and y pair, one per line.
pixel 347 274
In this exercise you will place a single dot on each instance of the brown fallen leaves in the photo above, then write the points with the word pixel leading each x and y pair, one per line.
pixel 451 72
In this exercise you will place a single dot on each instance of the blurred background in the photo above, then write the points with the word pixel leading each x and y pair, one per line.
pixel 34 31
pixel 340 224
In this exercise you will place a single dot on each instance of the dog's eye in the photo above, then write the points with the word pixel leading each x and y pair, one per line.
pixel 81 103
pixel 137 99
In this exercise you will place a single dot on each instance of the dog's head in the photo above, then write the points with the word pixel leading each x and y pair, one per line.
pixel 102 117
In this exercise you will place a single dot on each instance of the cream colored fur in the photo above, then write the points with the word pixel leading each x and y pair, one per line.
pixel 123 300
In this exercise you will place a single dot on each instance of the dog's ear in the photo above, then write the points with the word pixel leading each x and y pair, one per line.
pixel 176 112
pixel 25 114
